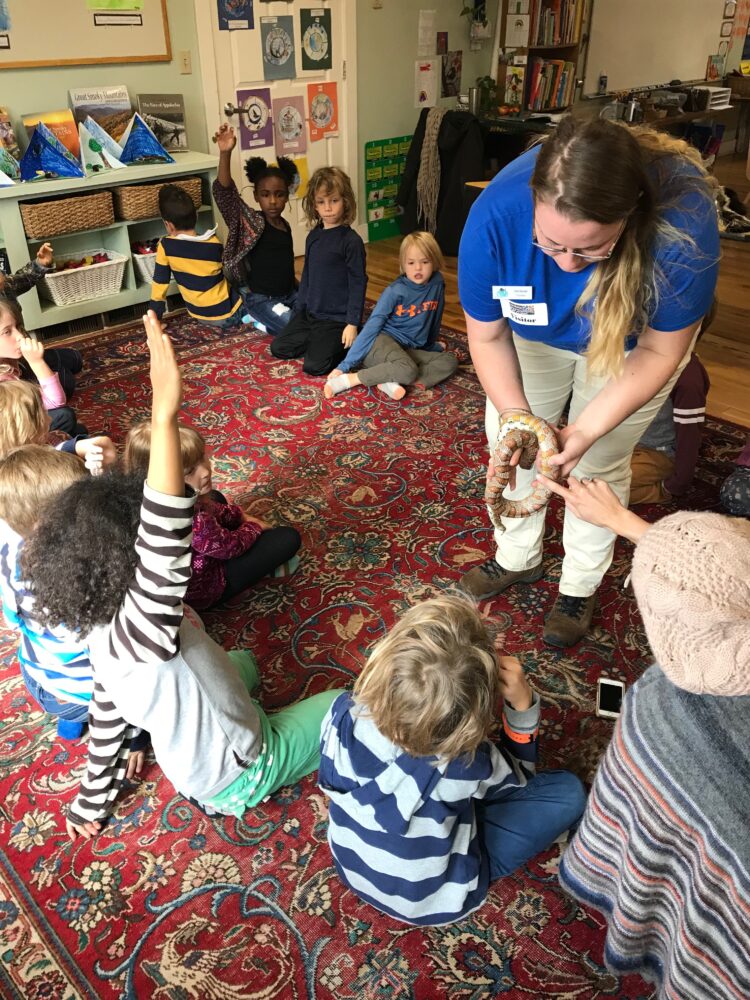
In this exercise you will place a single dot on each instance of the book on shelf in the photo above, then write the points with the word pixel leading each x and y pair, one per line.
pixel 60 124
pixel 556 22
pixel 165 116
pixel 7 135
pixel 110 107
pixel 551 83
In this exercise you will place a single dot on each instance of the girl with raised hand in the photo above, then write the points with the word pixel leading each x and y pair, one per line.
pixel 259 251
pixel 130 544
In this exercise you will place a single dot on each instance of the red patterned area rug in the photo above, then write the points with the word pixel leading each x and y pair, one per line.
pixel 169 904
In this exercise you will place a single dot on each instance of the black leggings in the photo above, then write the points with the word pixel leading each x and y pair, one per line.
pixel 273 548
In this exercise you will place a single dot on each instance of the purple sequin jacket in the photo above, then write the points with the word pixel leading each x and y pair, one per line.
pixel 219 533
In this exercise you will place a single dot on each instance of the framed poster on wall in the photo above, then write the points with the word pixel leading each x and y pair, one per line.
pixel 74 34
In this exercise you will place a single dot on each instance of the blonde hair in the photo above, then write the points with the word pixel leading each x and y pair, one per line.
pixel 23 417
pixel 330 179
pixel 431 686
pixel 425 243
pixel 30 477
pixel 138 447
pixel 606 172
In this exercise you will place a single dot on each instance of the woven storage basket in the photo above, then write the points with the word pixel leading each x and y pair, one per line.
pixel 66 215
pixel 144 265
pixel 141 201
pixel 93 281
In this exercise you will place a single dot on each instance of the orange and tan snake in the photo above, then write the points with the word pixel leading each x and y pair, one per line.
pixel 533 436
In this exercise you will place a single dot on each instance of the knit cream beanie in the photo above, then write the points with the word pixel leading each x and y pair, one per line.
pixel 691 576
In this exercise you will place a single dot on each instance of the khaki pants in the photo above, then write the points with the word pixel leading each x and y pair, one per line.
pixel 549 377
pixel 388 361
pixel 649 469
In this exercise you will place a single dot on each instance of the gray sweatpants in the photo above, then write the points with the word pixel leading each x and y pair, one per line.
pixel 388 361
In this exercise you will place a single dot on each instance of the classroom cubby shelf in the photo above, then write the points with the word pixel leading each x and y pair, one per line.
pixel 37 311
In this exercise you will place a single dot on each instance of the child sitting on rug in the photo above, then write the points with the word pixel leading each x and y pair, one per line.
pixel 331 294
pixel 425 809
pixel 24 420
pixel 231 550
pixel 215 744
pixel 23 357
pixel 65 361
pixel 54 662
pixel 259 251
pixel 195 264
pixel 398 344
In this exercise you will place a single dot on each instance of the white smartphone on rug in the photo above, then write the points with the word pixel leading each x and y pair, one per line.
pixel 609 695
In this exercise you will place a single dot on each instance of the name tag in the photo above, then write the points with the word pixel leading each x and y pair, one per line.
pixel 523 292
pixel 527 313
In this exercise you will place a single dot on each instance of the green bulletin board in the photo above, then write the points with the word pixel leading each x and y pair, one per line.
pixel 384 164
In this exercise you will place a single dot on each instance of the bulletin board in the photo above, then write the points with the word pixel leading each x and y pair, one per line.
pixel 384 164
pixel 82 32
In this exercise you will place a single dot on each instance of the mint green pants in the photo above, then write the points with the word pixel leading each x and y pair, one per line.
pixel 290 748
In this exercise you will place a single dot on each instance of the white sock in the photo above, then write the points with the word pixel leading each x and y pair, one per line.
pixel 339 383
pixel 392 389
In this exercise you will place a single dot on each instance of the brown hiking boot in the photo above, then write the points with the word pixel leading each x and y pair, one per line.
pixel 569 620
pixel 490 578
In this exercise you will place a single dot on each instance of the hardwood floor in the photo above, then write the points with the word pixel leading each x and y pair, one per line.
pixel 725 349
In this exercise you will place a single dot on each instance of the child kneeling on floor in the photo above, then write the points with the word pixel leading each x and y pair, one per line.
pixel 151 666
pixel 398 344
pixel 231 550
pixel 425 810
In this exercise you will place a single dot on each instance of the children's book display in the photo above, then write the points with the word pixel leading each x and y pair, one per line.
pixel 165 116
pixel 96 153
pixel 140 145
pixel 110 107
pixel 47 158
pixel 60 124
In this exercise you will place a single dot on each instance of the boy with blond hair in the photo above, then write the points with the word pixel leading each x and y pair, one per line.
pixel 398 344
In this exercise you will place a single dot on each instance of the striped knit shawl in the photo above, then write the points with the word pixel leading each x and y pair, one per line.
pixel 664 846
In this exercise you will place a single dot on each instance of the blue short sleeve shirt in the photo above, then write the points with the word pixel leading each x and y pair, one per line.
pixel 497 261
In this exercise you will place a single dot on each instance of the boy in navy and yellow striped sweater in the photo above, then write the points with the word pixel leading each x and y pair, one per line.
pixel 194 262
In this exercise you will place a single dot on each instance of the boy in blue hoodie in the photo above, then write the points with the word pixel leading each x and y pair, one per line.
pixel 398 344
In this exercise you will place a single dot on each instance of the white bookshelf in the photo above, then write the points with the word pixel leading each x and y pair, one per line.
pixel 38 312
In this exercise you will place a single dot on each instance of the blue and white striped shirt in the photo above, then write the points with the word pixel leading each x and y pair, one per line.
pixel 402 829
pixel 56 658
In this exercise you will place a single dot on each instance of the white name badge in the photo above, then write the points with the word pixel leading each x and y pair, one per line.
pixel 526 313
pixel 523 292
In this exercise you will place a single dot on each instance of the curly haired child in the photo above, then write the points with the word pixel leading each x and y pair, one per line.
pixel 425 809
pixel 231 550
pixel 54 662
pixel 259 250
pixel 331 295
pixel 398 344
pixel 24 420
pixel 130 544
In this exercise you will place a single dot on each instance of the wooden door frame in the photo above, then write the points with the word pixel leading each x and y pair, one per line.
pixel 213 103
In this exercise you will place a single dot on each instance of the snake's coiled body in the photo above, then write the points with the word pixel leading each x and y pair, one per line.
pixel 533 436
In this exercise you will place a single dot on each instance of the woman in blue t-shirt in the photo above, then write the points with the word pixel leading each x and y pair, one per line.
pixel 584 270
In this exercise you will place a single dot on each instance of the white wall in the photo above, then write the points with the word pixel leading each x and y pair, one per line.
pixel 386 53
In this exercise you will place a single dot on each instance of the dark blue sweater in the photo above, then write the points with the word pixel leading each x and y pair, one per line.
pixel 334 278
pixel 406 311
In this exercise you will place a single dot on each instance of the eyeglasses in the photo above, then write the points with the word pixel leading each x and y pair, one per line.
pixel 592 257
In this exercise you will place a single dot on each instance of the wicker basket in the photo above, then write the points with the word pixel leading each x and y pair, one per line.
pixel 44 219
pixel 144 265
pixel 93 281
pixel 141 201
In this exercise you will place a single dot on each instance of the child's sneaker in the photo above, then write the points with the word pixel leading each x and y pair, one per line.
pixel 287 568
